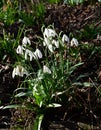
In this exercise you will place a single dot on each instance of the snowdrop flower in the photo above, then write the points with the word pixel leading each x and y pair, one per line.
pixel 56 43
pixel 20 71
pixel 29 53
pixel 20 49
pixel 74 42
pixel 46 41
pixel 65 38
pixel 46 69
pixel 48 33
pixel 50 47
pixel 37 54
pixel 26 41
pixel 99 37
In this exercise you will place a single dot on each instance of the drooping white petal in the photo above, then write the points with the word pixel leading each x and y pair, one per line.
pixel 46 69
pixel 65 38
pixel 20 71
pixel 29 53
pixel 38 54
pixel 26 41
pixel 74 42
pixel 99 37
pixel 20 50
pixel 23 71
pixel 14 73
pixel 46 41
pixel 50 47
pixel 48 32
pixel 56 43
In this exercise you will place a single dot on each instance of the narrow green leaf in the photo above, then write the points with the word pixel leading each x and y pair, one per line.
pixel 38 121
pixel 13 106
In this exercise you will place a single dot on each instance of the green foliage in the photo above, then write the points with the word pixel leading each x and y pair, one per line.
pixel 40 10
pixel 14 12
pixel 38 121
pixel 1 3
pixel 13 106
pixel 27 18
pixel 7 47
pixel 54 1
pixel 89 32
pixel 32 15
pixel 8 44
pixel 8 14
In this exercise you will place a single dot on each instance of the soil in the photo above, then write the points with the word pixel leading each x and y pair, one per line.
pixel 67 19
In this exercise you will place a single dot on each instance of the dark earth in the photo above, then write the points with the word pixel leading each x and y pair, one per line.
pixel 88 117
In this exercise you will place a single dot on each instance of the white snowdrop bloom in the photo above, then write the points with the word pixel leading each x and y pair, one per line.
pixel 56 43
pixel 14 73
pixel 20 50
pixel 48 44
pixel 50 47
pixel 46 69
pixel 29 53
pixel 65 38
pixel 20 71
pixel 74 42
pixel 26 41
pixel 99 37
pixel 46 41
pixel 37 54
pixel 48 33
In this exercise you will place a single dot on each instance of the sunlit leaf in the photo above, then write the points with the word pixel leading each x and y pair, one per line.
pixel 38 121
pixel 13 106
pixel 54 105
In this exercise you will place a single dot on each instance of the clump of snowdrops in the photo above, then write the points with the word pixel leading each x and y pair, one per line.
pixel 55 58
